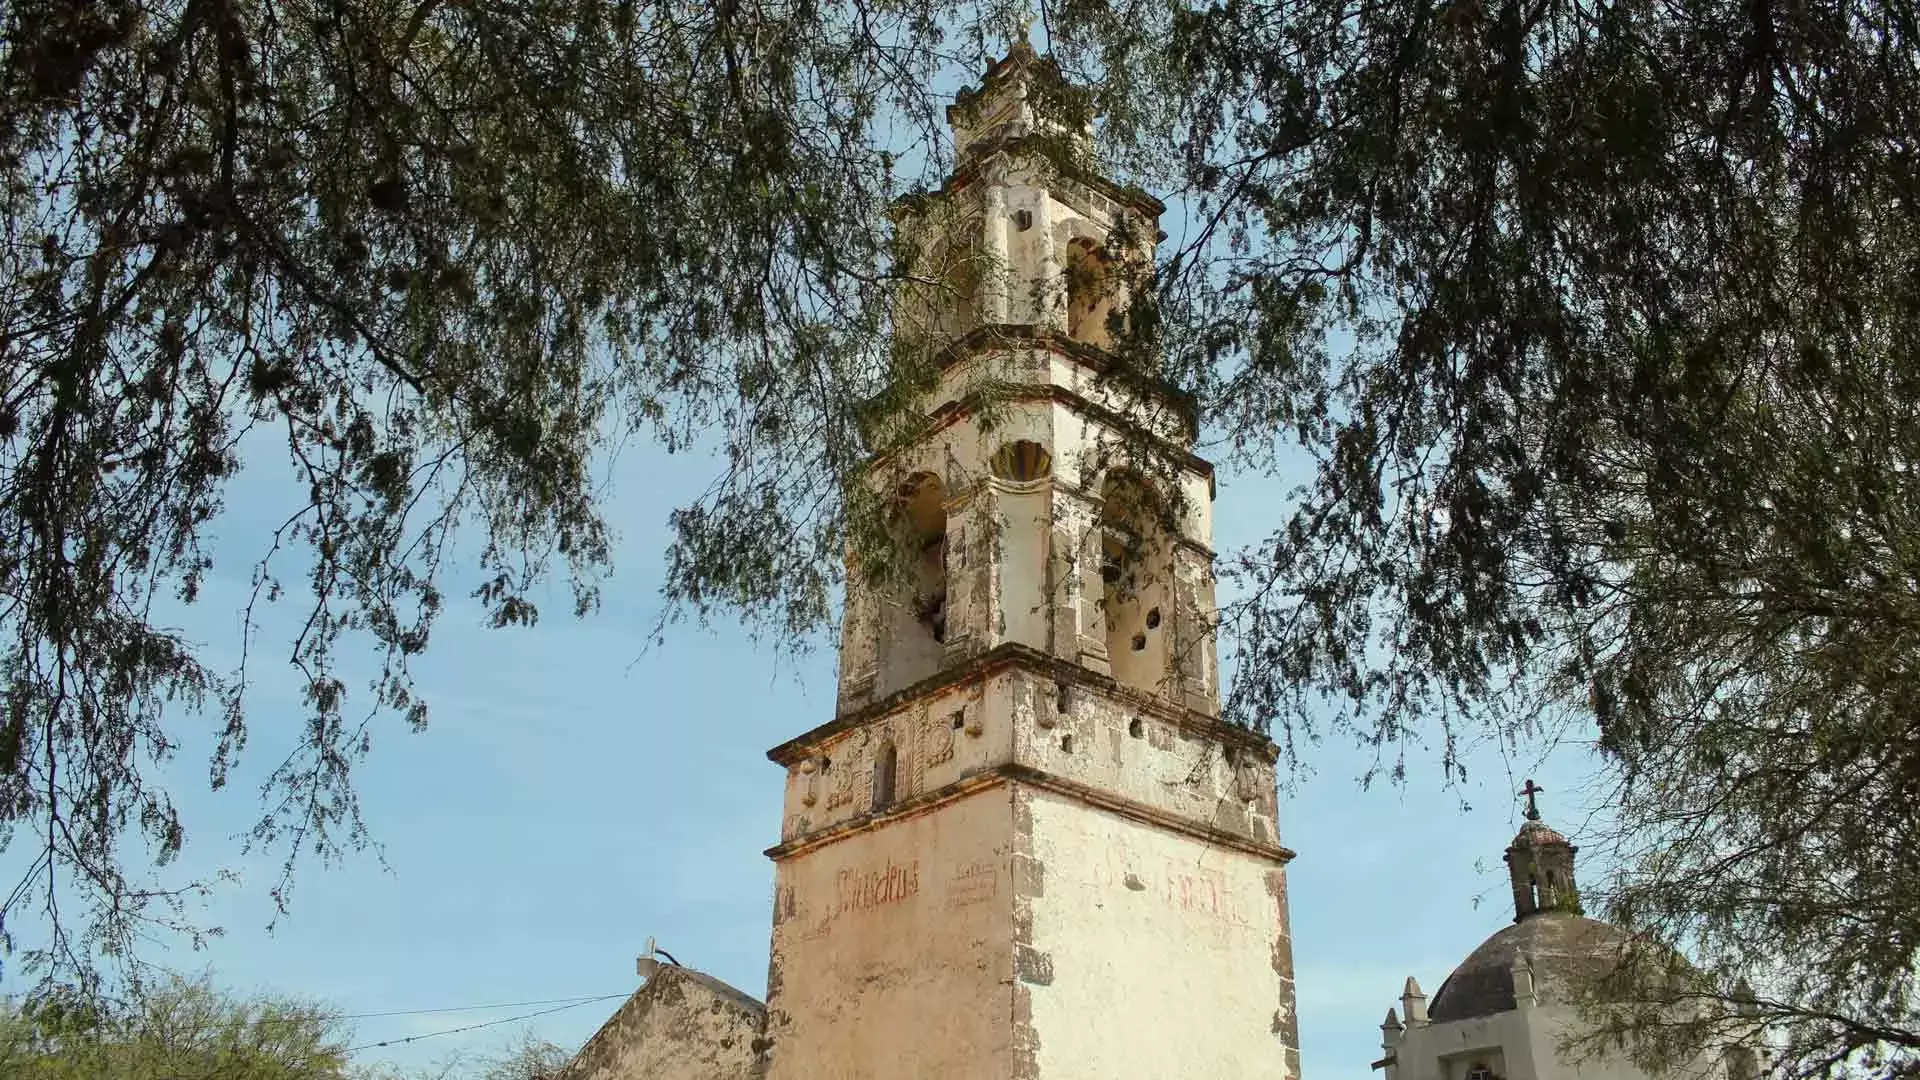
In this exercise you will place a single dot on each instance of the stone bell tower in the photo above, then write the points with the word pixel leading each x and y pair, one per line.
pixel 1540 865
pixel 1026 847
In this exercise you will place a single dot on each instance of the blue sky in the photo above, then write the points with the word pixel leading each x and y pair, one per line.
pixel 577 792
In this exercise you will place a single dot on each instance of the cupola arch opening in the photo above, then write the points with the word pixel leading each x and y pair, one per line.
pixel 1090 292
pixel 1136 569
pixel 910 592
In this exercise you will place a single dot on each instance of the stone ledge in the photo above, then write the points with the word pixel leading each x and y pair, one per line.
pixel 1013 654
pixel 995 337
pixel 1010 774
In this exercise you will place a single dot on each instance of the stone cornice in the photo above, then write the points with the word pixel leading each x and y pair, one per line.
pixel 970 168
pixel 959 408
pixel 989 336
pixel 1044 147
pixel 1078 491
pixel 1015 655
pixel 966 405
pixel 1009 773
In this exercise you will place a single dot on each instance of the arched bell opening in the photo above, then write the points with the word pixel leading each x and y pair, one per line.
pixel 923 517
pixel 957 269
pixel 1027 567
pixel 1090 292
pixel 943 275
pixel 912 590
pixel 1136 567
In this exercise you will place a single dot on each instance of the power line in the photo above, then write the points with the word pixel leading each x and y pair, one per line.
pixel 478 1008
pixel 477 1027
pixel 580 1000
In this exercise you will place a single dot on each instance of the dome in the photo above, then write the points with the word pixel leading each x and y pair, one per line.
pixel 1562 947
pixel 1538 834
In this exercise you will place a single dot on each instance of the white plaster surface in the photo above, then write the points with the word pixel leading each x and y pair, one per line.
pixel 1523 1044
pixel 1161 951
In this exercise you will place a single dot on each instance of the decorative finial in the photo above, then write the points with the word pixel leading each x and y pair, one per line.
pixel 1414 1003
pixel 1019 47
pixel 1533 806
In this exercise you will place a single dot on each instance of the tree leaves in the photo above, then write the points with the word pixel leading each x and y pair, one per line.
pixel 1622 422
pixel 176 1030
pixel 1593 318
pixel 440 254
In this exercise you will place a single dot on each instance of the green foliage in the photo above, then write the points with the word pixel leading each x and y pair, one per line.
pixel 1587 316
pixel 530 1058
pixel 527 1057
pixel 433 257
pixel 178 1031
pixel 1593 317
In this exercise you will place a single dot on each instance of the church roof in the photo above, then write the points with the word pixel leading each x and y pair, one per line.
pixel 1562 948
pixel 677 1012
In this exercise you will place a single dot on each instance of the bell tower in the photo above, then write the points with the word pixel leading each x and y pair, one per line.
pixel 1540 864
pixel 1026 847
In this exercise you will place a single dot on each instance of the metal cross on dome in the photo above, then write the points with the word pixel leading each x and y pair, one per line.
pixel 1533 807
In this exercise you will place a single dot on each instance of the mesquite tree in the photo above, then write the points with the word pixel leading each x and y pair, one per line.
pixel 1593 317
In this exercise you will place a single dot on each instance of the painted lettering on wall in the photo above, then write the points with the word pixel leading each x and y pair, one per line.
pixel 1178 885
pixel 974 883
pixel 863 890
pixel 1202 892
pixel 1198 892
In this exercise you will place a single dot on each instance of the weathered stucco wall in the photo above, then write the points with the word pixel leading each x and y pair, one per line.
pixel 1069 882
pixel 938 738
pixel 1524 1044
pixel 682 1025
pixel 1060 720
pixel 1152 954
pixel 892 950
pixel 1165 762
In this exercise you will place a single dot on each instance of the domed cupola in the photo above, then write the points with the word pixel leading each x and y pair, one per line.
pixel 1551 944
pixel 1510 1004
pixel 1540 865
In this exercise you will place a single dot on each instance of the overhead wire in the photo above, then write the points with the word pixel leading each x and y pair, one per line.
pixel 559 1005
pixel 580 999
pixel 476 1027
